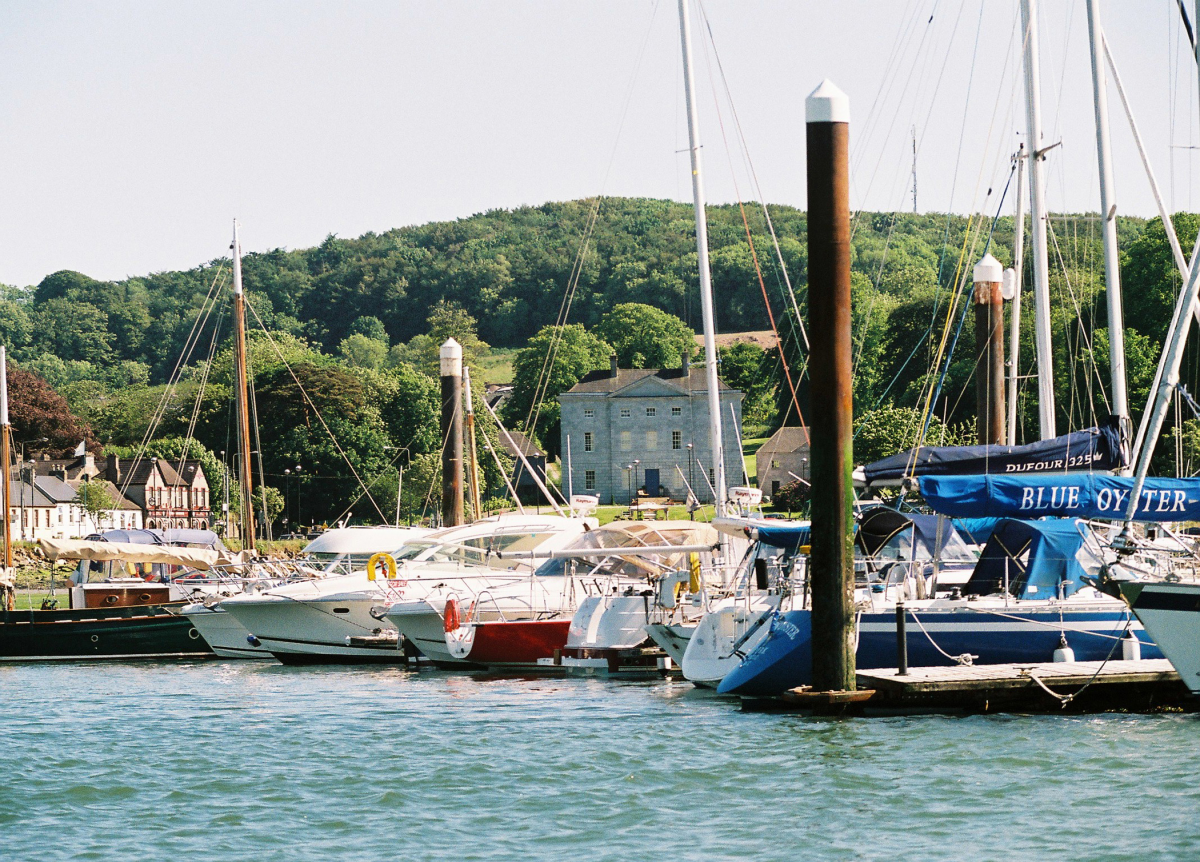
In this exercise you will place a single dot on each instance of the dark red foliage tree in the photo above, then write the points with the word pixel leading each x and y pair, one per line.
pixel 41 418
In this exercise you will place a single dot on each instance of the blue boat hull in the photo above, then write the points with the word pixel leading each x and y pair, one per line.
pixel 784 659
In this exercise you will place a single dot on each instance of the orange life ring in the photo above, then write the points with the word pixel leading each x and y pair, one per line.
pixel 451 616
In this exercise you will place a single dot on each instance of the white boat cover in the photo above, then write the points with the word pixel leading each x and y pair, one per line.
pixel 79 549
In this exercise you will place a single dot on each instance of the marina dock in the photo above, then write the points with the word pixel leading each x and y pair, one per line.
pixel 1055 687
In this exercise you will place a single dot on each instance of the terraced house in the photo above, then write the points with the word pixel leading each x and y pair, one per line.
pixel 631 429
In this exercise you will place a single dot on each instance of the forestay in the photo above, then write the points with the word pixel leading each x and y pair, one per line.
pixel 1083 495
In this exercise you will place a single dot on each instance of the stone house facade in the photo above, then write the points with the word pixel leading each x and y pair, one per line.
pixel 647 429
pixel 782 459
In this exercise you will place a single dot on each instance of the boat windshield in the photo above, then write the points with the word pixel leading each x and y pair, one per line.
pixel 478 550
pixel 616 564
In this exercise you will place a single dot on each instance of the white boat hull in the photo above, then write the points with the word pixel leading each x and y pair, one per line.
pixel 673 638
pixel 1170 613
pixel 311 631
pixel 222 631
pixel 723 637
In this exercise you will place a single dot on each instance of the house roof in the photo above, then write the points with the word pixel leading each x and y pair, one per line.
pixel 55 488
pixel 72 467
pixel 137 472
pixel 602 382
pixel 519 442
pixel 119 500
pixel 183 476
pixel 789 438
pixel 24 494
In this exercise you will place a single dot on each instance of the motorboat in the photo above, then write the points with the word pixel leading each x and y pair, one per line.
pixel 608 633
pixel 329 619
pixel 335 552
pixel 527 624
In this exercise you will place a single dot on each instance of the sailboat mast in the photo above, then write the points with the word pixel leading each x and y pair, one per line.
pixel 1037 196
pixel 706 298
pixel 241 392
pixel 1014 332
pixel 1108 214
pixel 6 460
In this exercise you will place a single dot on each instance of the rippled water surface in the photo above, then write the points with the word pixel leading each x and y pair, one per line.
pixel 247 760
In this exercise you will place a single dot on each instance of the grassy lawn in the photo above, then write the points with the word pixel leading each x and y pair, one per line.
pixel 33 598
pixel 750 446
pixel 497 366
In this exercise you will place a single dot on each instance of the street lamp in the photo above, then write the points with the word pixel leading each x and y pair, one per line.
pixel 635 482
pixel 287 496
pixel 296 473
pixel 629 484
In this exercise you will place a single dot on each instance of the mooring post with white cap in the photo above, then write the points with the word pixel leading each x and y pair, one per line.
pixel 452 434
pixel 989 350
pixel 831 567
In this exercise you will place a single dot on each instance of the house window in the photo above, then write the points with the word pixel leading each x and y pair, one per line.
pixel 589 480
pixel 676 439
pixel 676 411
pixel 775 464
pixel 589 413
pixel 651 440
pixel 651 411
pixel 624 412
pixel 712 476
pixel 626 441
pixel 587 441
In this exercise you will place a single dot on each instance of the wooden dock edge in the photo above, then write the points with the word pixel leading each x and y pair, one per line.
pixel 1150 685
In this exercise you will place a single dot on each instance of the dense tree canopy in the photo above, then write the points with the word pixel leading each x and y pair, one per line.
pixel 360 321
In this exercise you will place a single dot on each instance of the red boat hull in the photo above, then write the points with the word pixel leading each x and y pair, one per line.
pixel 519 642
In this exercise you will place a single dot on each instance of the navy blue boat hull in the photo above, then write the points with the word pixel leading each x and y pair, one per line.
pixel 784 659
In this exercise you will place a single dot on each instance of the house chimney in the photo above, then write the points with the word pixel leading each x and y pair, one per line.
pixel 612 365
pixel 112 469
pixel 687 363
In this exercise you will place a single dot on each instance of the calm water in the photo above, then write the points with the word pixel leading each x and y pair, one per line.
pixel 253 761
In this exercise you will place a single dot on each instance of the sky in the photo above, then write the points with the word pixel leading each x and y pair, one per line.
pixel 135 131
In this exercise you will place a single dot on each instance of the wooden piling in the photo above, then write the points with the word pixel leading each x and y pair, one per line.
pixel 989 350
pixel 452 434
pixel 831 569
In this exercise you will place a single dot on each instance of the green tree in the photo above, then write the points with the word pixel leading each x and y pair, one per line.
pixel 72 330
pixel 748 367
pixel 363 352
pixel 644 337
pixel 371 327
pixel 889 429
pixel 538 380
pixel 95 500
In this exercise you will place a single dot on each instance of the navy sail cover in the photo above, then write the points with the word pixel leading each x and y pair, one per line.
pixel 1081 495
pixel 1100 448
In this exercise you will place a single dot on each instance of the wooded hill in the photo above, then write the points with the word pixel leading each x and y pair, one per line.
pixel 368 301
